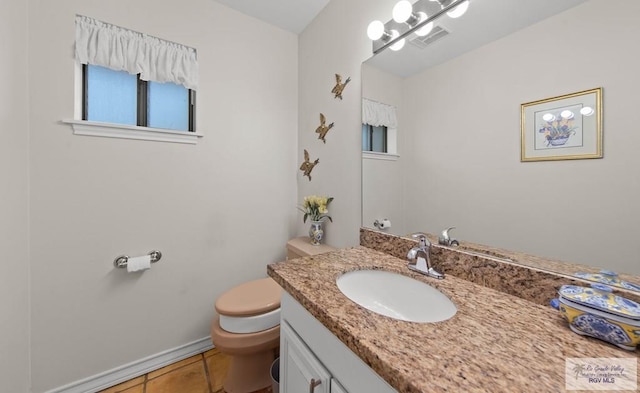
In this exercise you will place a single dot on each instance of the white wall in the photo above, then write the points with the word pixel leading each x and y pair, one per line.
pixel 14 263
pixel 336 42
pixel 466 114
pixel 383 180
pixel 219 211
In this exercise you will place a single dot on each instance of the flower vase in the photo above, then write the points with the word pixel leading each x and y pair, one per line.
pixel 316 233
pixel 559 140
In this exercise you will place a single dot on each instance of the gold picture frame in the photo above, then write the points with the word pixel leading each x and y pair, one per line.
pixel 567 127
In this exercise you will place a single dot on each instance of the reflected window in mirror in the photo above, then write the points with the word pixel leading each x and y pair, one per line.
pixel 374 138
pixel 379 130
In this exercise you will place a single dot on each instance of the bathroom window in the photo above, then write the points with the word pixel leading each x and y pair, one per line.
pixel 379 131
pixel 374 138
pixel 132 85
pixel 109 96
pixel 170 106
pixel 118 97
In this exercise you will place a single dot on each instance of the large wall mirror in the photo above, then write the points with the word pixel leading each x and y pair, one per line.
pixel 456 144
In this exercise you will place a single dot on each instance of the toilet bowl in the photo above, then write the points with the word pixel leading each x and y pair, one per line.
pixel 246 327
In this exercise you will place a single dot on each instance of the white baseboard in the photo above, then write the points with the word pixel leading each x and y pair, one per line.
pixel 135 369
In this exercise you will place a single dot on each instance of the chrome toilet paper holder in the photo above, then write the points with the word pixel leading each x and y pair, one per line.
pixel 382 224
pixel 122 260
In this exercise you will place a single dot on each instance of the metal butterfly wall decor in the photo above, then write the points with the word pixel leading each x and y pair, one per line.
pixel 307 166
pixel 323 128
pixel 339 87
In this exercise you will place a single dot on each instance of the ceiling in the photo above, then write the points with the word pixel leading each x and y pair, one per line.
pixel 291 15
pixel 485 21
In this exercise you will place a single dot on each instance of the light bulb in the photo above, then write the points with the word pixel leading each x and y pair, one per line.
pixel 375 30
pixel 426 29
pixel 402 11
pixel 398 45
pixel 459 10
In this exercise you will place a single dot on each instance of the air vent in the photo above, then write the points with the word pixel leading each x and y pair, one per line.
pixel 435 34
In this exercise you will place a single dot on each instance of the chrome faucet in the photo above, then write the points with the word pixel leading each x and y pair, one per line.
pixel 420 257
pixel 445 240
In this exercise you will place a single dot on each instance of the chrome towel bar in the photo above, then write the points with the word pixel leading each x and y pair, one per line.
pixel 122 260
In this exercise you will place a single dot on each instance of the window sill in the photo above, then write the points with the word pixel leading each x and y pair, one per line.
pixel 109 130
pixel 379 156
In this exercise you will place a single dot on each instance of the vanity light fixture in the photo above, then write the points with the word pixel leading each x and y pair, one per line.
pixel 402 11
pixel 458 10
pixel 376 31
pixel 410 18
pixel 423 31
pixel 399 44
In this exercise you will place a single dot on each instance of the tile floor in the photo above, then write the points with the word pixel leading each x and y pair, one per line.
pixel 203 373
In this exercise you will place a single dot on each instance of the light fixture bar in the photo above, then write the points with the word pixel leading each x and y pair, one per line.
pixel 405 30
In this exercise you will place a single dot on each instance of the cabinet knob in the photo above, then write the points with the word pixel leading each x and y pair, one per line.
pixel 313 383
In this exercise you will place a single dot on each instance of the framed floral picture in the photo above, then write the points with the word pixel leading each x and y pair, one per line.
pixel 567 127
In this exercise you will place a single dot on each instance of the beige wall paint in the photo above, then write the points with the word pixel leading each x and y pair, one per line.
pixel 219 211
pixel 466 141
pixel 336 42
pixel 14 263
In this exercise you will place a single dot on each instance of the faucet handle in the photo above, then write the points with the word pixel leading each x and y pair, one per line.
pixel 445 239
pixel 422 238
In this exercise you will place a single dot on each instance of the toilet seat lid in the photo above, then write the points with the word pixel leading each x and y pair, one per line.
pixel 251 298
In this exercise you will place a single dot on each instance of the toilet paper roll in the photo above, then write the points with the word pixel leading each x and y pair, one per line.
pixel 136 264
pixel 385 224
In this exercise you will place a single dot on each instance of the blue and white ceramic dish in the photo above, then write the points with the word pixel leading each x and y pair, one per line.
pixel 597 312
pixel 609 278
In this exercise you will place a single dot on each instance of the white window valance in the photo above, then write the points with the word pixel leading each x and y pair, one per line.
pixel 378 114
pixel 120 49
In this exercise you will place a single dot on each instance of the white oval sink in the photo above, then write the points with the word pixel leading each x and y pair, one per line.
pixel 396 296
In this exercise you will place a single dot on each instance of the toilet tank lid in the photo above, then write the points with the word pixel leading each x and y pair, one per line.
pixel 251 298
pixel 303 247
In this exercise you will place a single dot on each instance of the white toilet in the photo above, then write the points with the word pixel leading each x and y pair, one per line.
pixel 246 326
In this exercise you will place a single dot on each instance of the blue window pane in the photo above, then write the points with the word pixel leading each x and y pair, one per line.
pixel 379 142
pixel 366 141
pixel 111 96
pixel 374 138
pixel 168 106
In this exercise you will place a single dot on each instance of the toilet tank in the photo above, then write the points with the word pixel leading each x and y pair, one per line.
pixel 302 247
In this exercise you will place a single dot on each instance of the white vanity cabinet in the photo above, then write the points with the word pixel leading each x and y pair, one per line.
pixel 300 370
pixel 308 350
pixel 335 387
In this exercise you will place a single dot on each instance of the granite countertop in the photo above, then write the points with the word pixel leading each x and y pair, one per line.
pixel 495 342
pixel 526 276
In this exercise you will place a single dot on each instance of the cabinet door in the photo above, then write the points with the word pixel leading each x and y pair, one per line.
pixel 335 387
pixel 301 371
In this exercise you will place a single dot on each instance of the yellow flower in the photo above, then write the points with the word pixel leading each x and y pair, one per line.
pixel 316 207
